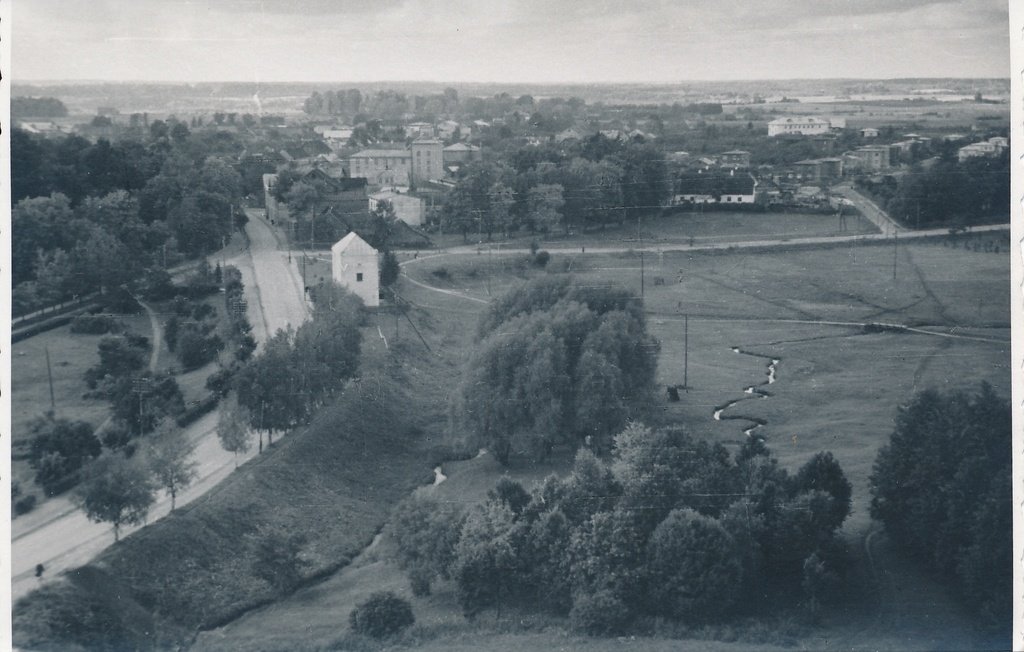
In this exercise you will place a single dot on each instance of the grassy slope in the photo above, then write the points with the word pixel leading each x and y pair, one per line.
pixel 333 481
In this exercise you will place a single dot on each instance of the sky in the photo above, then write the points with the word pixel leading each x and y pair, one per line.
pixel 541 41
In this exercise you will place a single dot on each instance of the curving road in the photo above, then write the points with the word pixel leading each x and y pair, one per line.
pixel 57 534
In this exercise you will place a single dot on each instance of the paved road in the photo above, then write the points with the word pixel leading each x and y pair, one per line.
pixel 278 298
pixel 57 534
pixel 870 210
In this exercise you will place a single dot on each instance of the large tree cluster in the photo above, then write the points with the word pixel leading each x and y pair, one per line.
pixel 942 487
pixel 949 193
pixel 92 216
pixel 557 362
pixel 572 185
pixel 670 527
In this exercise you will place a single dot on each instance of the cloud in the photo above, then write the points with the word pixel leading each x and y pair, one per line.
pixel 521 40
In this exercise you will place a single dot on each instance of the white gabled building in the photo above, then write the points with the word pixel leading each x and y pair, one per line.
pixel 354 266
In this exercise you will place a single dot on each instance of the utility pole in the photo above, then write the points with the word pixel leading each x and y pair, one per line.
pixel 263 405
pixel 49 375
pixel 686 350
pixel 640 238
pixel 140 385
pixel 895 251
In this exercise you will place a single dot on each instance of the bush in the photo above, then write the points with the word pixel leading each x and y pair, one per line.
pixel 196 348
pixel 196 410
pixel 157 285
pixel 600 614
pixel 382 614
pixel 59 449
pixel 442 273
pixel 219 382
pixel 25 504
pixel 116 435
pixel 541 258
pixel 121 301
pixel 97 324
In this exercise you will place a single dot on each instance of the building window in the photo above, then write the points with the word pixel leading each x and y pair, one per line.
pixel 359 277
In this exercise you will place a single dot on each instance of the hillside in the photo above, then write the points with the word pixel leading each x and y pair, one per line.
pixel 332 483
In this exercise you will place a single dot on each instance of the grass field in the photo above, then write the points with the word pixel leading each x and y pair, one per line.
pixel 837 388
pixel 70 356
pixel 680 229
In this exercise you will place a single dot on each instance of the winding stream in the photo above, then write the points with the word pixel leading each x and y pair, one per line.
pixel 751 392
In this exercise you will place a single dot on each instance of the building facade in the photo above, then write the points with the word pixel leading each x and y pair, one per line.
pixel 798 126
pixel 355 267
pixel 427 157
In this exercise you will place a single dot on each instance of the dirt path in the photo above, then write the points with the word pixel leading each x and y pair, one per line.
pixel 157 336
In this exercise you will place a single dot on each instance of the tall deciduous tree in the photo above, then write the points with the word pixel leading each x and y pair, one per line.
pixel 694 571
pixel 233 429
pixel 941 487
pixel 550 353
pixel 169 455
pixel 116 490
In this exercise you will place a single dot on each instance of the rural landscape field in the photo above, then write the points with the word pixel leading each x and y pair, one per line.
pixel 584 357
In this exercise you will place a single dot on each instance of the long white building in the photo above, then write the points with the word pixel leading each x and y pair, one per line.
pixel 798 126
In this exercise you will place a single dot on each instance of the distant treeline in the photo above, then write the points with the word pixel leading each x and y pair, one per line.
pixel 37 107
pixel 948 193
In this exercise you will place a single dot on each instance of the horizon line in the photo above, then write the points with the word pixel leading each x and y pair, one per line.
pixel 518 82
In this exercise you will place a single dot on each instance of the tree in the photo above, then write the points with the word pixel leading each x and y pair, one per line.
pixel 169 457
pixel 116 490
pixel 545 202
pixel 233 429
pixel 383 221
pixel 941 487
pixel 277 559
pixel 484 558
pixel 693 567
pixel 389 269
pixel 502 198
pixel 140 402
pixel 119 356
pixel 381 615
pixel 549 352
pixel 421 536
pixel 59 449
pixel 822 472
pixel 37 224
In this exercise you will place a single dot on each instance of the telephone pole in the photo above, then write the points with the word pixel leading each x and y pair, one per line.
pixel 640 239
pixel 895 251
pixel 49 375
pixel 686 350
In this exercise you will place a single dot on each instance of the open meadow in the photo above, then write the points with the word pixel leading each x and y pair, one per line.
pixel 789 324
